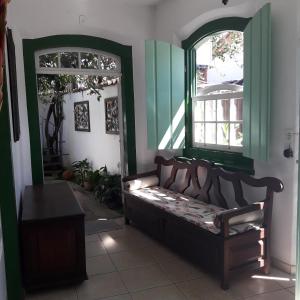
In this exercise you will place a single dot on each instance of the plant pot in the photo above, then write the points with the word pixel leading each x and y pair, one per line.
pixel 68 175
pixel 88 186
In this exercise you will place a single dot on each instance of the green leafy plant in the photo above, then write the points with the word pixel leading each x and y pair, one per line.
pixel 93 176
pixel 109 189
pixel 81 170
pixel 227 43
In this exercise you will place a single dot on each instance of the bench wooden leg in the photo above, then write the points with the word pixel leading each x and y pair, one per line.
pixel 267 266
pixel 225 268
pixel 127 221
pixel 225 284
pixel 267 257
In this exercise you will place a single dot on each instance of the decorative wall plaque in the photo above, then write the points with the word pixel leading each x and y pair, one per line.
pixel 111 115
pixel 82 116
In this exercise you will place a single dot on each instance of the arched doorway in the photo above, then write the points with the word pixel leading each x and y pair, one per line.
pixel 30 47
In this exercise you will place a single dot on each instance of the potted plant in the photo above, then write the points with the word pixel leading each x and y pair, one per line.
pixel 81 170
pixel 93 178
pixel 109 190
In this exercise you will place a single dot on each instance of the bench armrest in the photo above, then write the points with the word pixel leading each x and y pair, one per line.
pixel 229 217
pixel 141 182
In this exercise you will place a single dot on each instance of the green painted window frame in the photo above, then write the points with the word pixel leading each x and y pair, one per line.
pixel 30 46
pixel 232 161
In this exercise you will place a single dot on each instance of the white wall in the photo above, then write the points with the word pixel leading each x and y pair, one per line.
pixel 20 149
pixel 111 19
pixel 98 147
pixel 185 20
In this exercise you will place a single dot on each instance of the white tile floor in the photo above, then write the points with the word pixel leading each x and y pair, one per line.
pixel 128 265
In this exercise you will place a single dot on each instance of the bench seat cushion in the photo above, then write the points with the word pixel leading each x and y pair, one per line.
pixel 192 210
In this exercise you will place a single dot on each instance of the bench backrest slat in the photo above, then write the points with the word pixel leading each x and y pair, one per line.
pixel 211 190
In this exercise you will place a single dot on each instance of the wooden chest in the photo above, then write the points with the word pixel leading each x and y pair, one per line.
pixel 52 237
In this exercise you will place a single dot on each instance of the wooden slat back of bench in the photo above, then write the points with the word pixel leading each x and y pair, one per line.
pixel 191 180
pixel 237 179
pixel 210 191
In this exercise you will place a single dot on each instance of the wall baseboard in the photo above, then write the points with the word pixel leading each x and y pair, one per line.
pixel 283 266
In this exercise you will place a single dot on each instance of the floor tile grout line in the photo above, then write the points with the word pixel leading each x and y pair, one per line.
pixel 127 291
pixel 288 289
pixel 102 298
pixel 160 267
pixel 99 274
pixel 138 267
pixel 89 257
pixel 116 270
pixel 126 250
pixel 185 295
pixel 160 286
pixel 155 263
pixel 135 267
pixel 239 297
pixel 153 287
pixel 120 276
pixel 146 288
pixel 264 293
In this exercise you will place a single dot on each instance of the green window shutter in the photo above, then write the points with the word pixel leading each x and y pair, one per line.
pixel 165 95
pixel 257 85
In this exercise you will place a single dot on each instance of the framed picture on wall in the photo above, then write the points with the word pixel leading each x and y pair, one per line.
pixel 82 116
pixel 111 115
pixel 13 84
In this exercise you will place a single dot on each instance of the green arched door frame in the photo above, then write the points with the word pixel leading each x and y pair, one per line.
pixel 30 46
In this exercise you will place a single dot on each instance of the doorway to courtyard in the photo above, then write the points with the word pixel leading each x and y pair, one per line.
pixel 80 100
pixel 100 64
pixel 79 104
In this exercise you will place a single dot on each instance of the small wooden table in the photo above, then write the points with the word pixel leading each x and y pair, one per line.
pixel 52 237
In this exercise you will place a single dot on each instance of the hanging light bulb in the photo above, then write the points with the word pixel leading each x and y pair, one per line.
pixel 225 2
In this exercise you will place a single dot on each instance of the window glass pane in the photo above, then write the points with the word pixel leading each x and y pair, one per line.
pixel 69 60
pixel 199 133
pixel 223 107
pixel 210 133
pixel 219 59
pixel 236 109
pixel 49 60
pixel 210 110
pixel 107 63
pixel 223 134
pixel 236 134
pixel 219 75
pixel 199 111
pixel 88 60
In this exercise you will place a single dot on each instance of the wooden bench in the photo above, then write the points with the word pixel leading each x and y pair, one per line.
pixel 231 231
